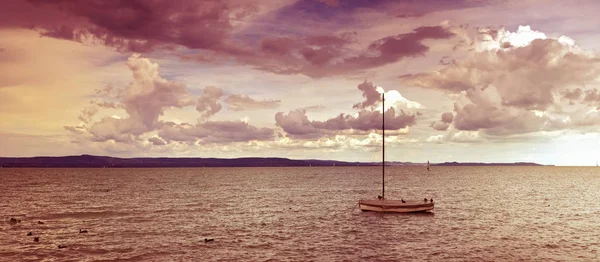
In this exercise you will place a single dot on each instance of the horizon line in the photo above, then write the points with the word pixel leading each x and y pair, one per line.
pixel 294 159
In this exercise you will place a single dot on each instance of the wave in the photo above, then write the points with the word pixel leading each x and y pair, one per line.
pixel 83 214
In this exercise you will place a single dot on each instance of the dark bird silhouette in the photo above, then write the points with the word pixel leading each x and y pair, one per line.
pixel 425 200
pixel 431 200
pixel 402 200
pixel 30 233
pixel 61 246
pixel 40 222
pixel 206 240
pixel 82 231
pixel 36 239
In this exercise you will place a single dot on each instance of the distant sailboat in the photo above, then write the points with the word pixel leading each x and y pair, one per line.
pixel 427 165
pixel 396 206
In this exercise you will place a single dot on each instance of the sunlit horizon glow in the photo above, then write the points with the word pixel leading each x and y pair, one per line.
pixel 465 81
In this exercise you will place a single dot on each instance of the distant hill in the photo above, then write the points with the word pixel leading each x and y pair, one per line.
pixel 105 161
pixel 113 162
pixel 486 164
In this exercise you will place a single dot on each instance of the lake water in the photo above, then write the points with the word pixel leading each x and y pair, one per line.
pixel 300 214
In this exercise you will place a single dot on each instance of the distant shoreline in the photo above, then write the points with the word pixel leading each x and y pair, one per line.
pixel 91 161
pixel 488 164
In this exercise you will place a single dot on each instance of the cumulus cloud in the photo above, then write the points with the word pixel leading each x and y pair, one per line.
pixel 157 141
pixel 87 113
pixel 370 142
pixel 456 136
pixel 511 83
pixel 105 104
pixel 208 104
pixel 244 102
pixel 370 93
pixel 444 123
pixel 447 117
pixel 215 132
pixel 146 98
pixel 149 95
pixel 574 94
pixel 296 123
pixel 393 99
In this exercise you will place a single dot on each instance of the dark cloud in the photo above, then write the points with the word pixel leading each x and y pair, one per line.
pixel 340 9
pixel 136 25
pixel 157 141
pixel 331 2
pixel 592 95
pixel 446 60
pixel 447 117
pixel 322 56
pixel 208 27
pixel 440 126
pixel 444 123
pixel 369 92
pixel 410 15
pixel 394 48
pixel 574 94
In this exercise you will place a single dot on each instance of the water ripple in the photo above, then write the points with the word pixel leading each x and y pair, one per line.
pixel 299 214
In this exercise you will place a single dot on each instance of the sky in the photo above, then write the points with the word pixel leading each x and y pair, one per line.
pixel 464 80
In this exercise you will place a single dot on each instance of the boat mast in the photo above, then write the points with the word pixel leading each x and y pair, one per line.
pixel 383 143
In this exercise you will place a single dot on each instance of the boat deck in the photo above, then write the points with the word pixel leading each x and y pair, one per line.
pixel 396 203
pixel 395 206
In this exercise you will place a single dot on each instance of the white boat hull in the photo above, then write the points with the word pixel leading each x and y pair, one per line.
pixel 395 206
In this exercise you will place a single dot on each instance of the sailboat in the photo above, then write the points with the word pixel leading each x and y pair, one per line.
pixel 427 165
pixel 381 204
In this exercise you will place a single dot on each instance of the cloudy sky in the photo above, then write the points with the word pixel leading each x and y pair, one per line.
pixel 464 80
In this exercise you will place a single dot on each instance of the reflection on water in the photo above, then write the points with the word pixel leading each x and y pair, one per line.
pixel 300 214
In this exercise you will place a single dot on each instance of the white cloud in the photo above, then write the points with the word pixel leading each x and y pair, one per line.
pixel 512 83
